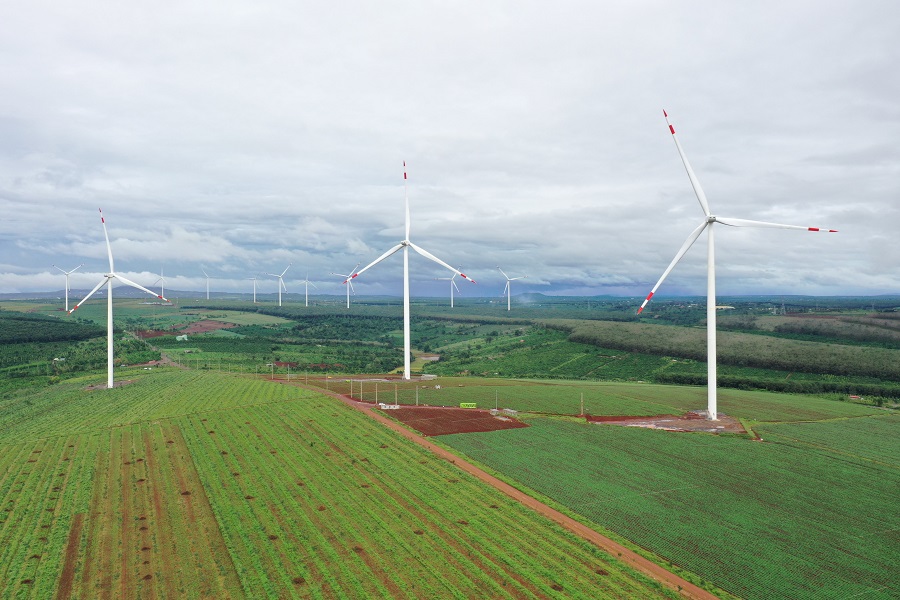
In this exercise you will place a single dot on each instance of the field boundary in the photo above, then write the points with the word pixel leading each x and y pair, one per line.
pixel 626 555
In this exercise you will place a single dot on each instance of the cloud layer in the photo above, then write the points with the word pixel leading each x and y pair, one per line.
pixel 248 137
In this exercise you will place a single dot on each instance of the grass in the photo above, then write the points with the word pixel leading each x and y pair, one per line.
pixel 603 398
pixel 762 520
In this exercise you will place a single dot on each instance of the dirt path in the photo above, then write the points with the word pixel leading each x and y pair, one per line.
pixel 66 578
pixel 624 554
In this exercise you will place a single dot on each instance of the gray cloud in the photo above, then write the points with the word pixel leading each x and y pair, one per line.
pixel 252 136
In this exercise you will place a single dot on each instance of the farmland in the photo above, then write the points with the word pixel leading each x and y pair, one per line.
pixel 603 398
pixel 290 493
pixel 204 484
pixel 809 513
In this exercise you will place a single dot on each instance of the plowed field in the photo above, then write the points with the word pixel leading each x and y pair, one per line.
pixel 443 421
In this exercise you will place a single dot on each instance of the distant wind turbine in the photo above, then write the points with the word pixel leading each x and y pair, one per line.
pixel 162 280
pixel 405 245
pixel 452 285
pixel 207 282
pixel 306 282
pixel 253 279
pixel 280 281
pixel 67 273
pixel 708 221
pixel 508 288
pixel 348 282
pixel 107 281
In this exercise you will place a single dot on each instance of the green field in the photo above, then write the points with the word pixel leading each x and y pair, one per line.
pixel 209 485
pixel 189 482
pixel 811 512
pixel 600 398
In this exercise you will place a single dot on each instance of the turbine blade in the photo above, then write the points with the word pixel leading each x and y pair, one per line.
pixel 748 223
pixel 284 287
pixel 140 287
pixel 406 200
pixel 687 166
pixel 108 247
pixel 454 284
pixel 312 284
pixel 204 272
pixel 504 274
pixel 374 262
pixel 684 248
pixel 91 293
pixel 431 256
pixel 285 269
pixel 60 270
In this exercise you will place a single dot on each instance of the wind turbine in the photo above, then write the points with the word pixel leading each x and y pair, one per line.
pixel 207 282
pixel 67 273
pixel 405 245
pixel 708 221
pixel 348 282
pixel 280 281
pixel 107 281
pixel 306 282
pixel 508 288
pixel 253 279
pixel 452 285
pixel 162 279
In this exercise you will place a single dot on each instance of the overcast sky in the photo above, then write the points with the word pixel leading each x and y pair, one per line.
pixel 243 136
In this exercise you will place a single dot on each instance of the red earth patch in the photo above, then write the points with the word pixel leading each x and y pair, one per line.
pixel 429 420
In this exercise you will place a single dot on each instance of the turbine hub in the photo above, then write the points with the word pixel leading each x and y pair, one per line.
pixel 711 219
pixel 405 243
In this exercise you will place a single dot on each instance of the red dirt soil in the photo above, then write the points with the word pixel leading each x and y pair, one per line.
pixel 444 421
pixel 204 326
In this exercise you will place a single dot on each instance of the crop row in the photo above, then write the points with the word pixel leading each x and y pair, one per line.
pixel 740 349
pixel 313 498
pixel 160 393
pixel 44 486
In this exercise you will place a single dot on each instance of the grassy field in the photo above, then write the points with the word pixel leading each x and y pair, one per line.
pixel 196 483
pixel 600 398
pixel 809 513
pixel 209 485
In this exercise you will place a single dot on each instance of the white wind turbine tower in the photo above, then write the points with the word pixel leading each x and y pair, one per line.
pixel 280 281
pixel 107 281
pixel 452 285
pixel 348 282
pixel 162 280
pixel 306 282
pixel 67 273
pixel 405 245
pixel 207 281
pixel 508 288
pixel 253 279
pixel 708 221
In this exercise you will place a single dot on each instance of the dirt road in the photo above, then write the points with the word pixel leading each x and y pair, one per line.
pixel 629 557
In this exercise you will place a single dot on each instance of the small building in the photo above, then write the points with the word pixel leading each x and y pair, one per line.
pixel 181 338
